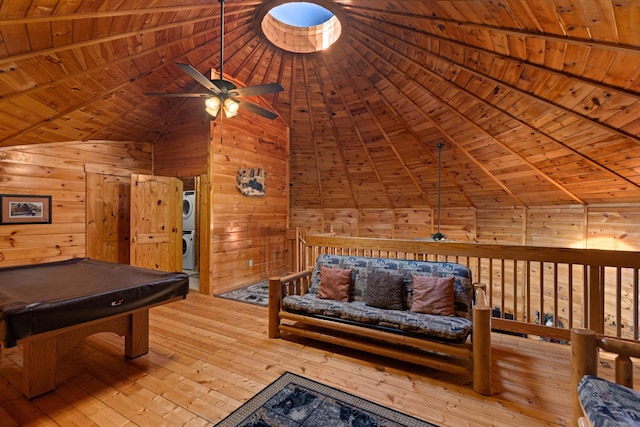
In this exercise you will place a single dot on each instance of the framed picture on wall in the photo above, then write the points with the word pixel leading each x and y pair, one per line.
pixel 25 209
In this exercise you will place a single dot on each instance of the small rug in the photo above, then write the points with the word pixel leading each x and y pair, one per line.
pixel 257 293
pixel 292 400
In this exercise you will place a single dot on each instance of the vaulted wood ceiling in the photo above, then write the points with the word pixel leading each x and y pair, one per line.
pixel 537 102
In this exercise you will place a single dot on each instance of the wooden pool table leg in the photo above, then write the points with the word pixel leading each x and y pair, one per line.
pixel 39 365
pixel 136 341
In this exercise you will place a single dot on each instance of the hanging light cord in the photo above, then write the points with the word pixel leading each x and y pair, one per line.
pixel 439 236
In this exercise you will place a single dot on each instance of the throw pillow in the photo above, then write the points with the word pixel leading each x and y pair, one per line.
pixel 384 290
pixel 433 295
pixel 335 283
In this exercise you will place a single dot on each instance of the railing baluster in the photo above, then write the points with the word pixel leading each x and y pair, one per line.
pixel 502 289
pixel 619 299
pixel 636 303
pixel 555 294
pixel 529 318
pixel 570 295
pixel 515 289
pixel 541 282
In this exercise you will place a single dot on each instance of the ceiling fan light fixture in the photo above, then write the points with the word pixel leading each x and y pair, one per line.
pixel 231 107
pixel 222 93
pixel 212 106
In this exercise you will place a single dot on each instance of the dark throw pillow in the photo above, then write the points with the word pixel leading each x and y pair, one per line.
pixel 384 290
pixel 335 283
pixel 433 295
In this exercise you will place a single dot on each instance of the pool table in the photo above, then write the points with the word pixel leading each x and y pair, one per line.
pixel 48 308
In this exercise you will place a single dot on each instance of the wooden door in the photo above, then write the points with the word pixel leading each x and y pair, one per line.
pixel 108 217
pixel 156 222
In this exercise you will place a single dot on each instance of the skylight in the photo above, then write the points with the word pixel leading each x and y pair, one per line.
pixel 301 27
pixel 301 14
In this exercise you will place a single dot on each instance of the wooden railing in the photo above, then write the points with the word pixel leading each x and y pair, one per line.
pixel 540 291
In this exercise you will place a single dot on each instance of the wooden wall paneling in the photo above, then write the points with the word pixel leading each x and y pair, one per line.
pixel 613 227
pixel 340 221
pixel 182 149
pixel 309 219
pixel 412 223
pixel 457 224
pixel 59 170
pixel 555 226
pixel 501 226
pixel 248 234
pixel 375 223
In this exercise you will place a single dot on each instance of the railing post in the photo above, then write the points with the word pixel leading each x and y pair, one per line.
pixel 275 299
pixel 584 357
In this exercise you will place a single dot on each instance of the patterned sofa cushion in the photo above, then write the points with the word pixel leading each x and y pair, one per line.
pixel 362 266
pixel 444 328
pixel 609 404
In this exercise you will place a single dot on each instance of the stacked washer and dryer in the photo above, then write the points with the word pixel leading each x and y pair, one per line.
pixel 188 229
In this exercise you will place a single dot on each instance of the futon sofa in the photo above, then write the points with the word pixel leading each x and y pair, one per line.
pixel 423 312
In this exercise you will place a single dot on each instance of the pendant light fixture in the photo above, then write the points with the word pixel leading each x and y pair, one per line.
pixel 438 236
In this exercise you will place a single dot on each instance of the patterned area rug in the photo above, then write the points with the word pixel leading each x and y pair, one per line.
pixel 292 400
pixel 257 294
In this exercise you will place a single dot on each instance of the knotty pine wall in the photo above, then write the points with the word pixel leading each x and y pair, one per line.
pixel 594 227
pixel 58 170
pixel 247 235
pixel 248 230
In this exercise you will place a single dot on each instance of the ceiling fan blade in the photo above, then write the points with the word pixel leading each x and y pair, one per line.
pixel 199 77
pixel 180 95
pixel 258 90
pixel 249 106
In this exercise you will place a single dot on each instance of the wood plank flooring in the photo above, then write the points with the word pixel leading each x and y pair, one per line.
pixel 209 355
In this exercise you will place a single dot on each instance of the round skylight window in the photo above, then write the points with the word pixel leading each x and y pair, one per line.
pixel 301 27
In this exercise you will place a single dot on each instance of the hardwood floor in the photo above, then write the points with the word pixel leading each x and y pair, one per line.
pixel 209 355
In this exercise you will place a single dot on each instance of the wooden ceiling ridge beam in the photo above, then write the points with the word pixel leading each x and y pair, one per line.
pixel 101 14
pixel 243 63
pixel 88 71
pixel 313 133
pixel 98 40
pixel 544 101
pixel 244 30
pixel 280 79
pixel 510 115
pixel 347 110
pixel 393 111
pixel 508 31
pixel 448 137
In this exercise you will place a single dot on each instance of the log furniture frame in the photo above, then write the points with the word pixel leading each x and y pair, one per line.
pixel 472 357
pixel 585 345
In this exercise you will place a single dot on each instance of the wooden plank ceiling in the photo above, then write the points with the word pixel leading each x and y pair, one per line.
pixel 537 102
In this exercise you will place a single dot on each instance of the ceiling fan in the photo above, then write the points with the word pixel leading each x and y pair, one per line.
pixel 222 93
